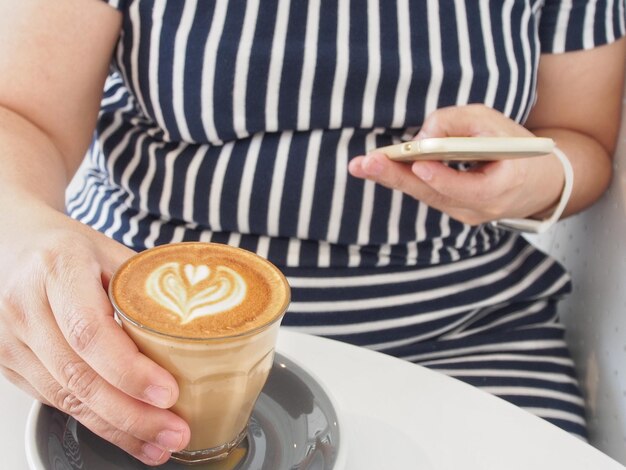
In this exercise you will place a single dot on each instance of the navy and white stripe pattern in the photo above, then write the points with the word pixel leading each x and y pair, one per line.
pixel 234 122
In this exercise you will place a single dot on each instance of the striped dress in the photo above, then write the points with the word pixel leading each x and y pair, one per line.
pixel 234 122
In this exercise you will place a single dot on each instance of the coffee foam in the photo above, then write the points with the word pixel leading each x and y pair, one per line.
pixel 199 290
pixel 192 291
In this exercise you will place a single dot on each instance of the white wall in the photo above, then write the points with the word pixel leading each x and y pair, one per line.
pixel 592 245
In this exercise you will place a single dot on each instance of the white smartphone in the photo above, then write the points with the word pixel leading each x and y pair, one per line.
pixel 468 148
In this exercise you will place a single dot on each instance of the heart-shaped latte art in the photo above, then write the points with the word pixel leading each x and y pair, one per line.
pixel 196 274
pixel 192 291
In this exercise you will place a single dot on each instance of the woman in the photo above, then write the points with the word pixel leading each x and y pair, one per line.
pixel 249 124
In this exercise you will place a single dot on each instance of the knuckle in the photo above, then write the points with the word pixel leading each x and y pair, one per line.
pixel 116 436
pixel 80 379
pixel 50 253
pixel 58 261
pixel 82 330
pixel 125 377
pixel 8 302
pixel 60 253
pixel 434 118
pixel 395 181
pixel 68 402
pixel 12 309
pixel 132 424
pixel 395 184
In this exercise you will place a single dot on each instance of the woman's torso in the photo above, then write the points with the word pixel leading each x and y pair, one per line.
pixel 239 118
pixel 234 122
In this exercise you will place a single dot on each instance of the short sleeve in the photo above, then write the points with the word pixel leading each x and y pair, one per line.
pixel 570 25
pixel 117 4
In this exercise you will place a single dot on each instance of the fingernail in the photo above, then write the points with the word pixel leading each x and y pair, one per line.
pixel 153 452
pixel 170 440
pixel 372 166
pixel 159 396
pixel 423 172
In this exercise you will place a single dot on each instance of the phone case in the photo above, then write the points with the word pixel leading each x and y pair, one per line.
pixel 469 148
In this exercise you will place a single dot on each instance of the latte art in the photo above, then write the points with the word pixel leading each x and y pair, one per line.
pixel 199 290
pixel 192 291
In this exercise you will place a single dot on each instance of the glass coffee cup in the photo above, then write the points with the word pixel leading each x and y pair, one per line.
pixel 209 314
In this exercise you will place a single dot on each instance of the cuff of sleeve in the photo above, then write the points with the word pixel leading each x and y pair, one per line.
pixel 540 226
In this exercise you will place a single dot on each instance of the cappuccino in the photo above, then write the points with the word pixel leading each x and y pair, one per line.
pixel 209 314
pixel 200 290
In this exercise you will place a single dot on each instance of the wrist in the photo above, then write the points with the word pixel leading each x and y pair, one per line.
pixel 550 187
pixel 542 221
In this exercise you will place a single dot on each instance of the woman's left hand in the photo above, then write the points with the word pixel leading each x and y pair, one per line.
pixel 486 192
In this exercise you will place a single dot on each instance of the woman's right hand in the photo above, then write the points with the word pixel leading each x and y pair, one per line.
pixel 59 340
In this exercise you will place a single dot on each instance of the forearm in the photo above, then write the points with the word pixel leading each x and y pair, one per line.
pixel 54 60
pixel 592 165
pixel 579 104
pixel 33 169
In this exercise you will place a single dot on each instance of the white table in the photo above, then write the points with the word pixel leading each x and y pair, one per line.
pixel 395 416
